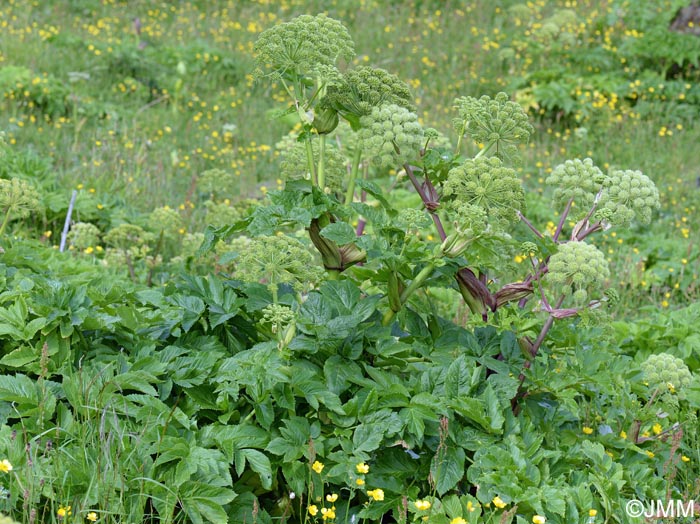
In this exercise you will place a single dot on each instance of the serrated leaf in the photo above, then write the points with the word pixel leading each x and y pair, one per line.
pixel 447 469
pixel 339 232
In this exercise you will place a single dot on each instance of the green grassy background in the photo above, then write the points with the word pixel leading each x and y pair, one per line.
pixel 131 101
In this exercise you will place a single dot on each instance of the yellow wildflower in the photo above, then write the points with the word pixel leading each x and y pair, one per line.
pixel 650 454
pixel 470 506
pixel 586 430
pixel 328 513
pixel 498 502
pixel 5 466
pixel 656 428
pixel 64 511
pixel 317 467
pixel 376 494
pixel 313 509
pixel 422 505
pixel 360 482
pixel 458 520
pixel 92 516
pixel 332 497
pixel 592 512
pixel 362 468
pixel 685 459
pixel 539 519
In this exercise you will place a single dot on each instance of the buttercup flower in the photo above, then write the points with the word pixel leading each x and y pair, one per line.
pixel 317 466
pixel 64 511
pixel 5 466
pixel 498 502
pixel 362 468
pixel 587 431
pixel 376 494
pixel 313 510
pixel 458 520
pixel 592 512
pixel 92 516
pixel 328 513
pixel 539 519
pixel 422 505
pixel 332 497
pixel 360 482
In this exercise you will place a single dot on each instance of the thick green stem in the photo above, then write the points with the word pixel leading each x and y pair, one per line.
pixel 6 220
pixel 350 193
pixel 321 175
pixel 412 288
pixel 310 159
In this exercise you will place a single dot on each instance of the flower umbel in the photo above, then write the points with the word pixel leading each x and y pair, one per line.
pixel 580 266
pixel 303 45
pixel 487 185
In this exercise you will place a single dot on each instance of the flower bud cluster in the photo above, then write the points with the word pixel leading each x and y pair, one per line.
pixel 412 220
pixel 217 182
pixel 391 135
pixel 126 236
pixel 496 121
pixel 364 88
pixel 579 180
pixel 221 213
pixel 278 315
pixel 277 260
pixel 666 371
pixel 19 197
pixel 83 235
pixel 485 183
pixel 577 265
pixel 628 195
pixel 303 44
pixel 165 219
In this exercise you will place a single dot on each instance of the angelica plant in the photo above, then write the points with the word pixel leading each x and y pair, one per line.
pixel 475 204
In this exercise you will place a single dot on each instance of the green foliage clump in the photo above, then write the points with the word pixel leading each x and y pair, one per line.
pixel 577 180
pixel 580 266
pixel 83 235
pixel 390 135
pixel 277 259
pixel 493 122
pixel 364 88
pixel 303 44
pixel 628 195
pixel 665 371
pixel 484 188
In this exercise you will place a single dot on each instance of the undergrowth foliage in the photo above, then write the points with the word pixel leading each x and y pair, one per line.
pixel 319 376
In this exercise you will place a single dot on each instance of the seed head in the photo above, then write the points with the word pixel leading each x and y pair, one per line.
pixel 628 195
pixel 487 185
pixel 390 135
